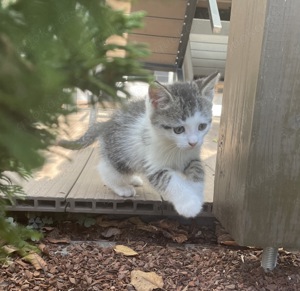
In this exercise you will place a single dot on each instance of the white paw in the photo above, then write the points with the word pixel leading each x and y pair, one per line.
pixel 126 191
pixel 189 207
pixel 136 181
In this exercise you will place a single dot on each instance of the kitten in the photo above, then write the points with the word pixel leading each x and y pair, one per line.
pixel 160 138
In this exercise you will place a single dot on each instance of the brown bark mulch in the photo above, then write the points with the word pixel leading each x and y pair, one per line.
pixel 186 257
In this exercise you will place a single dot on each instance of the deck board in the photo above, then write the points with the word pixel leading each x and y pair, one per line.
pixel 48 192
pixel 89 194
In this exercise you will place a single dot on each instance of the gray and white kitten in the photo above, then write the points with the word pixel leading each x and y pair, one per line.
pixel 159 138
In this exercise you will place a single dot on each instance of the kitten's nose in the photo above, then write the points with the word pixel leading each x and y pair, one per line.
pixel 192 144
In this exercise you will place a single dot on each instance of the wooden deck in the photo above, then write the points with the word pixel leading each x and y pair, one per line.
pixel 69 181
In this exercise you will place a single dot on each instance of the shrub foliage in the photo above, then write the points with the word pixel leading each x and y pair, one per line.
pixel 47 48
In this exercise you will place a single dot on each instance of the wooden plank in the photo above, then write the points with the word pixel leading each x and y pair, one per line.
pixel 162 45
pixel 209 38
pixel 120 5
pixel 174 9
pixel 208 55
pixel 89 194
pixel 208 156
pixel 187 67
pixel 155 26
pixel 203 71
pixel 222 4
pixel 257 183
pixel 210 145
pixel 168 59
pixel 219 64
pixel 210 47
pixel 48 188
pixel 203 26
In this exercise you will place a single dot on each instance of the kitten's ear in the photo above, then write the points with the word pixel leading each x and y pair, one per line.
pixel 206 85
pixel 159 96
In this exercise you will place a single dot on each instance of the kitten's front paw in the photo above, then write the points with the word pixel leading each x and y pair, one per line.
pixel 127 191
pixel 190 207
pixel 136 181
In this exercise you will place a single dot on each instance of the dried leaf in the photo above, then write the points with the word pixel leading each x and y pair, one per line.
pixel 112 231
pixel 106 223
pixel 227 240
pixel 28 274
pixel 146 281
pixel 136 220
pixel 224 238
pixel 9 249
pixel 44 249
pixel 47 228
pixel 35 260
pixel 125 250
pixel 21 263
pixel 149 228
pixel 179 238
pixel 63 240
pixel 168 224
pixel 230 243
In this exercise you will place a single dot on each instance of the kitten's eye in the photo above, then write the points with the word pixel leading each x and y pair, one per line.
pixel 166 127
pixel 178 130
pixel 202 126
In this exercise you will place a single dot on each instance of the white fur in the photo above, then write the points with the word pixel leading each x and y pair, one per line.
pixel 191 134
pixel 136 181
pixel 165 151
pixel 119 183
pixel 186 196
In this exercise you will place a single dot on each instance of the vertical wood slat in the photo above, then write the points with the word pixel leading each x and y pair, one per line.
pixel 257 186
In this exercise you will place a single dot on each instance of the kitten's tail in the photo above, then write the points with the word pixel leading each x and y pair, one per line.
pixel 87 139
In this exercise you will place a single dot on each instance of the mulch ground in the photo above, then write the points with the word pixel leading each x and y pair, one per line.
pixel 186 256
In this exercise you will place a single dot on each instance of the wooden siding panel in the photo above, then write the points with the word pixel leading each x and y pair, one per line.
pixel 203 26
pixel 204 71
pixel 257 186
pixel 210 47
pixel 162 45
pixel 208 55
pixel 209 63
pixel 158 8
pixel 209 38
pixel 155 26
pixel 167 59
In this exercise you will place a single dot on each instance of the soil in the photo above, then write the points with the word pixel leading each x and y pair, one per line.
pixel 186 256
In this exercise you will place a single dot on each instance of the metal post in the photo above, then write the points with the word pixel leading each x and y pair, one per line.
pixel 269 258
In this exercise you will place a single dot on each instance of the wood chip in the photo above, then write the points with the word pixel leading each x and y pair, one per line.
pixel 200 264
pixel 72 280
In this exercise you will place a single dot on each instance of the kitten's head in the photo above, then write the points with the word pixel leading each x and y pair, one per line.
pixel 182 112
